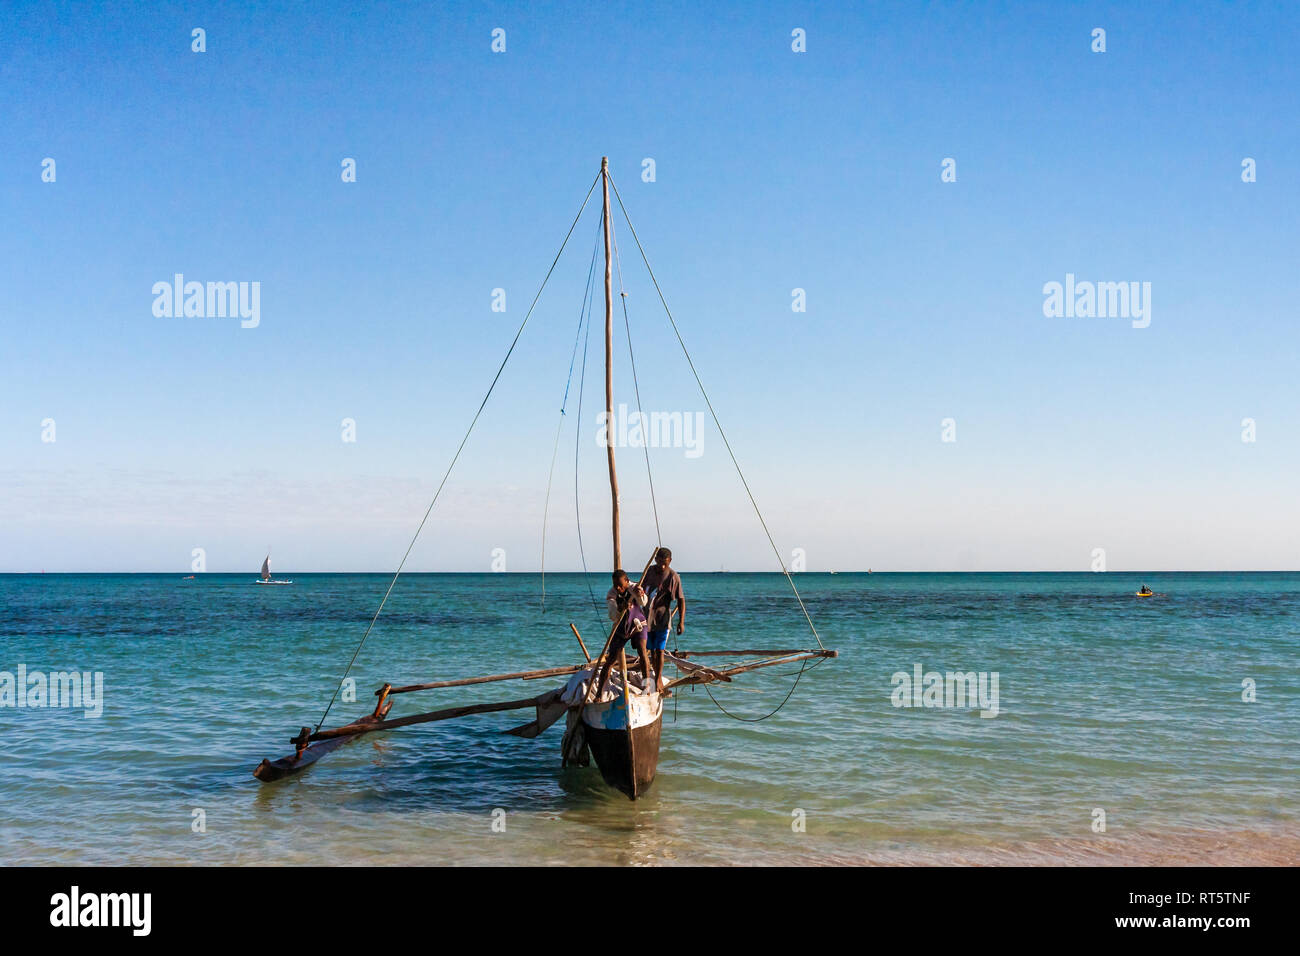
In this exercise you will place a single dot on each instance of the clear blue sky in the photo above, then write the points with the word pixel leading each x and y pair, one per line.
pixel 775 170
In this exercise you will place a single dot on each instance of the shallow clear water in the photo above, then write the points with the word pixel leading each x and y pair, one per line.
pixel 1105 701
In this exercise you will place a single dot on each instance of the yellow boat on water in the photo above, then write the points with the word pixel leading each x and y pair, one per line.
pixel 1144 593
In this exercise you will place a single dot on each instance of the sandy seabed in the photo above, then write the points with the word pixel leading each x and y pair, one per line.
pixel 1174 848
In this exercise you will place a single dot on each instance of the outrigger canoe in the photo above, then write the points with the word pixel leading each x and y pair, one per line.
pixel 620 730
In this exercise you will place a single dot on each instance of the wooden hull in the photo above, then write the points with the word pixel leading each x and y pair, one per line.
pixel 627 758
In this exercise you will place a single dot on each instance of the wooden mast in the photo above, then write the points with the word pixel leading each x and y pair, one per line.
pixel 609 366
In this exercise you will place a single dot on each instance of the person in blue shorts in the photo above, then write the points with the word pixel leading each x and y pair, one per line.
pixel 663 585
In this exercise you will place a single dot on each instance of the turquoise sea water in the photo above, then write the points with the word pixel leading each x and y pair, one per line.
pixel 1105 701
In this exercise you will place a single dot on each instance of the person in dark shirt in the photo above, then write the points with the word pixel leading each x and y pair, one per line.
pixel 626 603
pixel 664 586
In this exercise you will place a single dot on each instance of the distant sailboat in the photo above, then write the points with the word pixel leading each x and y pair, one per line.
pixel 266 574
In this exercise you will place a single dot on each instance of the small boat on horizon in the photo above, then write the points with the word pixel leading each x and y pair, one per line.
pixel 266 574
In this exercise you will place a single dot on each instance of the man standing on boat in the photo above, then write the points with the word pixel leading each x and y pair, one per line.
pixel 626 603
pixel 664 585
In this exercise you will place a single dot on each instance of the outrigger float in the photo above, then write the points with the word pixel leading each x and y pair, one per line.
pixel 626 750
pixel 620 728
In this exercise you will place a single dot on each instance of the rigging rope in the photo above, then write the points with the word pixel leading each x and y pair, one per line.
pixel 645 443
pixel 714 414
pixel 456 457
pixel 577 444
pixel 559 427
pixel 754 720
pixel 636 386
